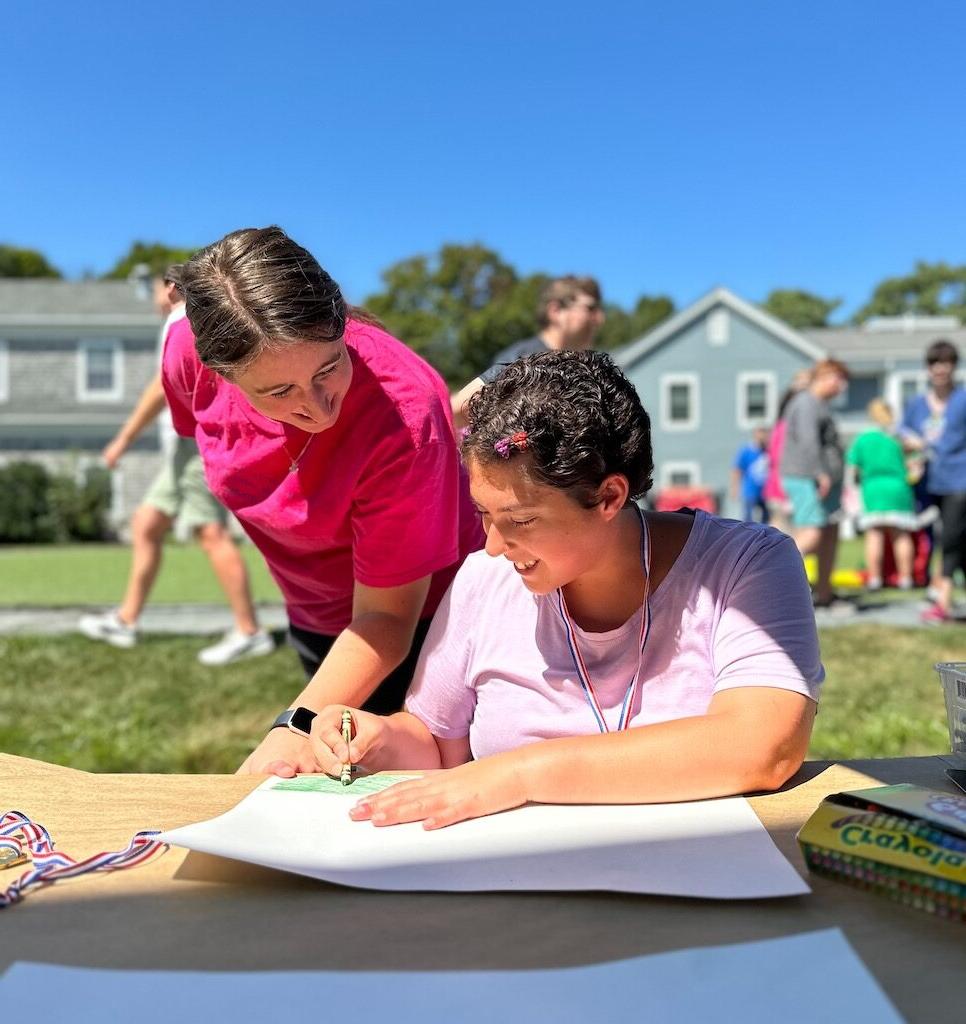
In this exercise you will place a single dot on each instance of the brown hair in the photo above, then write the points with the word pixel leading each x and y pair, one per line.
pixel 565 290
pixel 257 289
pixel 830 366
pixel 942 351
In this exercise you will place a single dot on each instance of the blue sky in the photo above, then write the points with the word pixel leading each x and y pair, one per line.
pixel 664 147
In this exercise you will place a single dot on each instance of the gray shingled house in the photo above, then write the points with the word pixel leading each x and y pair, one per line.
pixel 74 357
pixel 718 368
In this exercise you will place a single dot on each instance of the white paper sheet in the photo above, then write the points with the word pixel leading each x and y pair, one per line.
pixel 799 979
pixel 714 849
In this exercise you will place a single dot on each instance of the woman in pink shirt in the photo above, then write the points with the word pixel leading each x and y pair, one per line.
pixel 593 653
pixel 332 444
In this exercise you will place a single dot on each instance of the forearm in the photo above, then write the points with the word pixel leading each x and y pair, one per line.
pixel 148 407
pixel 363 654
pixel 406 743
pixel 686 759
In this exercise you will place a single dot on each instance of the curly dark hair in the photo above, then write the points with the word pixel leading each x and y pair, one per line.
pixel 582 418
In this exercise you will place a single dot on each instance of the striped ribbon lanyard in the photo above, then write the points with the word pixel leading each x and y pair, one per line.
pixel 582 674
pixel 22 839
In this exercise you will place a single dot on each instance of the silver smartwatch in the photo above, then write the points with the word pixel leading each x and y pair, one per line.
pixel 298 720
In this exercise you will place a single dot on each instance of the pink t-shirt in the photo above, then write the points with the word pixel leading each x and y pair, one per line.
pixel 734 610
pixel 379 498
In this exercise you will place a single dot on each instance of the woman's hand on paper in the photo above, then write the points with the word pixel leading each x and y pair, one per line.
pixel 282 753
pixel 328 744
pixel 470 791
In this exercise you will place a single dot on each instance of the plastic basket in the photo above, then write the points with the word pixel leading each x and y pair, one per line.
pixel 953 677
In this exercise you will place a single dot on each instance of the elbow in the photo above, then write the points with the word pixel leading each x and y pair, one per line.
pixel 774 768
pixel 774 775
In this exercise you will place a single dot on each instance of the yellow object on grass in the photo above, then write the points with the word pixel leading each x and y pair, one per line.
pixel 844 579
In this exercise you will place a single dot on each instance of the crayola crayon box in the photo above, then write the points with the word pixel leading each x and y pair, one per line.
pixel 903 842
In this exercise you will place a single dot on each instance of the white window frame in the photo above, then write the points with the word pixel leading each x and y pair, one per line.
pixel 84 394
pixel 667 381
pixel 4 371
pixel 680 466
pixel 769 379
pixel 718 327
pixel 893 388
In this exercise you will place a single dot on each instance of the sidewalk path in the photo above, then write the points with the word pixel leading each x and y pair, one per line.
pixel 195 619
pixel 210 619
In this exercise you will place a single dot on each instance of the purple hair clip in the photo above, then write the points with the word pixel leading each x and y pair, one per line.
pixel 505 445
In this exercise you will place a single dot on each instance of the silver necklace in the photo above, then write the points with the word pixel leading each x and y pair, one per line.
pixel 294 461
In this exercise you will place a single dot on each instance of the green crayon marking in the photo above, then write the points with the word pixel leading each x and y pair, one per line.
pixel 365 786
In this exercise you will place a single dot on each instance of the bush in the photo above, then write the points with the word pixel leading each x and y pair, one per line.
pixel 39 507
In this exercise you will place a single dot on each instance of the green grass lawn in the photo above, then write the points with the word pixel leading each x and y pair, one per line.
pixel 155 709
pixel 55 576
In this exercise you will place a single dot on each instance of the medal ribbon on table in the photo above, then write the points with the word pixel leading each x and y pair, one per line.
pixel 582 674
pixel 20 837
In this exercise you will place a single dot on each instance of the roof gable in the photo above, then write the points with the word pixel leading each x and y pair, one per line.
pixel 634 351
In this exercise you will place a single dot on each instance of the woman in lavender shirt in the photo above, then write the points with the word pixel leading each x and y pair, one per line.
pixel 592 653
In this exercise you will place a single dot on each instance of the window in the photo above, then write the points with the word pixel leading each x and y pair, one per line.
pixel 757 399
pixel 4 371
pixel 99 370
pixel 719 326
pixel 680 474
pixel 902 387
pixel 680 401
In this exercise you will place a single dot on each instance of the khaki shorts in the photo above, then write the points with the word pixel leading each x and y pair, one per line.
pixel 181 492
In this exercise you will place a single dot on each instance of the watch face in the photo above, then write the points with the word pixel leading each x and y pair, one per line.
pixel 301 720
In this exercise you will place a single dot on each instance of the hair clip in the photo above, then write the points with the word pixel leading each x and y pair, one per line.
pixel 516 441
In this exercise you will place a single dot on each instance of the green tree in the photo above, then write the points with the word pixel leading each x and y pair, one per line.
pixel 931 289
pixel 799 308
pixel 454 308
pixel 17 262
pixel 460 306
pixel 622 327
pixel 157 256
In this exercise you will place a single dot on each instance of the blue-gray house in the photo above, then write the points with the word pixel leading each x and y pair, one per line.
pixel 717 369
pixel 708 376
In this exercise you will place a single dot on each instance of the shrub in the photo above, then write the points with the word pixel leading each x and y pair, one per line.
pixel 40 507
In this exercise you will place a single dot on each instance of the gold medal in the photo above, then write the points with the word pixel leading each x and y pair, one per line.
pixel 11 858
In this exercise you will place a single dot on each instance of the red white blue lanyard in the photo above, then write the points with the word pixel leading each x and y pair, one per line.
pixel 20 837
pixel 582 674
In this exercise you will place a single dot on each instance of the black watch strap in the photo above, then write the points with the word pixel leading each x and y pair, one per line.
pixel 295 719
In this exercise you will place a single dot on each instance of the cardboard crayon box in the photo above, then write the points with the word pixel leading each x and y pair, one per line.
pixel 903 842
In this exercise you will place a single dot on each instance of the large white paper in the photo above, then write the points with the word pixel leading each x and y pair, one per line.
pixel 715 849
pixel 800 979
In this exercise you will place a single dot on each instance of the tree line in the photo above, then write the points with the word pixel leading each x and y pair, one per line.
pixel 459 306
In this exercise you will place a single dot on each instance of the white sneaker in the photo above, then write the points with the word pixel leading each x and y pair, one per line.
pixel 109 628
pixel 235 645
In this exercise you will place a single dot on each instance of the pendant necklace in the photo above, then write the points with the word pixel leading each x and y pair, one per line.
pixel 295 460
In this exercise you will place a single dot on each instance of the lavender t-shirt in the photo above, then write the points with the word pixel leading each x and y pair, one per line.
pixel 734 610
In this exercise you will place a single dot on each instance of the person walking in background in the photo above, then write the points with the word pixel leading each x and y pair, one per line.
pixel 812 469
pixel 888 504
pixel 178 492
pixel 935 423
pixel 748 476
pixel 776 500
pixel 570 313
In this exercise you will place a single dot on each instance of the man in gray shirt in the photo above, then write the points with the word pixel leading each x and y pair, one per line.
pixel 570 313
pixel 812 468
